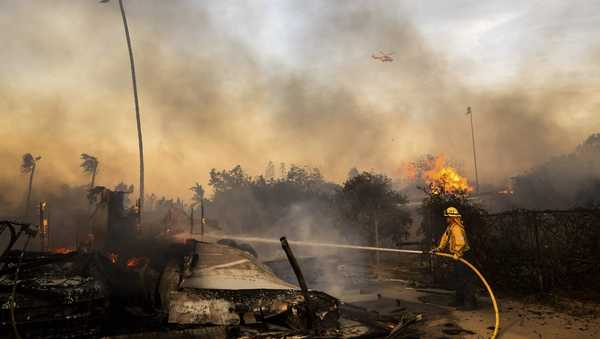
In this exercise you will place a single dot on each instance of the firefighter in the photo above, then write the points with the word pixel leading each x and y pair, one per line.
pixel 455 241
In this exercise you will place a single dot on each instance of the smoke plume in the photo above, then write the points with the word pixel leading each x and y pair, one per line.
pixel 227 83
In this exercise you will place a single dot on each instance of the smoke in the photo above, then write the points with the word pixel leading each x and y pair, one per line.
pixel 224 84
pixel 329 269
pixel 568 181
pixel 334 269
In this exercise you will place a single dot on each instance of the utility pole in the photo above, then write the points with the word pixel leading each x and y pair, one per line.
pixel 470 114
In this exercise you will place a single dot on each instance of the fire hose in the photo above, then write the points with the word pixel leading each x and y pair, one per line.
pixel 487 286
pixel 380 249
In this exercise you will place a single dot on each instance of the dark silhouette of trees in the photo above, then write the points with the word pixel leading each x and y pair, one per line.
pixel 567 181
pixel 28 167
pixel 370 203
pixel 353 172
pixel 198 198
pixel 282 170
pixel 122 187
pixel 302 203
pixel 270 171
pixel 224 181
pixel 257 205
pixel 198 193
pixel 89 165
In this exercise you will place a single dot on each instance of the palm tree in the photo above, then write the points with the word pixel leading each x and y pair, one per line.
pixel 137 107
pixel 90 166
pixel 28 167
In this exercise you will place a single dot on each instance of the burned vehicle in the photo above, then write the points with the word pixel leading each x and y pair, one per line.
pixel 199 289
pixel 225 286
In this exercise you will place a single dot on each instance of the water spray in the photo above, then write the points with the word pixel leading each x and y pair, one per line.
pixel 313 244
pixel 379 249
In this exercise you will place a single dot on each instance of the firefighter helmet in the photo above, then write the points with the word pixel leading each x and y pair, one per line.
pixel 451 212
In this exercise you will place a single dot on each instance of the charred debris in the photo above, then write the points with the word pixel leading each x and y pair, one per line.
pixel 133 286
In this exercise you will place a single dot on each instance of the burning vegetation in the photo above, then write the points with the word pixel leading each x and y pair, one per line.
pixel 201 284
pixel 437 176
pixel 137 262
pixel 62 250
pixel 97 261
pixel 443 178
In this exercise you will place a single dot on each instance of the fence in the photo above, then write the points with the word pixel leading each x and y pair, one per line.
pixel 539 250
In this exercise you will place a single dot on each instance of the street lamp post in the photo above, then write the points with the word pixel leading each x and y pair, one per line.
pixel 470 114
pixel 137 111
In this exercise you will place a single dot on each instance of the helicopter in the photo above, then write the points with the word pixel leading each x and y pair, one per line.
pixel 383 57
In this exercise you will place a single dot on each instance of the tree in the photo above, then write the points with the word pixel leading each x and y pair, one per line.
pixel 265 207
pixel 353 172
pixel 28 167
pixel 376 208
pixel 122 187
pixel 297 175
pixel 566 181
pixel 89 166
pixel 591 145
pixel 282 170
pixel 270 171
pixel 137 106
pixel 152 200
pixel 198 193
pixel 227 180
pixel 306 177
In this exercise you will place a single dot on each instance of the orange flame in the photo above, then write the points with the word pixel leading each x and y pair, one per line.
pixel 114 257
pixel 508 190
pixel 443 178
pixel 135 262
pixel 62 250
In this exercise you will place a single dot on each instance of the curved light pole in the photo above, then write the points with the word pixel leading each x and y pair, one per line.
pixel 470 113
pixel 137 111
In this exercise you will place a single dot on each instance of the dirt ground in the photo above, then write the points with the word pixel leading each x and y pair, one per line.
pixel 519 319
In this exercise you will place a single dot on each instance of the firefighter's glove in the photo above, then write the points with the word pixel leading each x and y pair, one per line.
pixel 455 256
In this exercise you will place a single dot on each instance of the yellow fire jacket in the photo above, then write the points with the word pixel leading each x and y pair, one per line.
pixel 455 239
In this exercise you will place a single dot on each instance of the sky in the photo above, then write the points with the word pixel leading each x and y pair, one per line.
pixel 228 82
